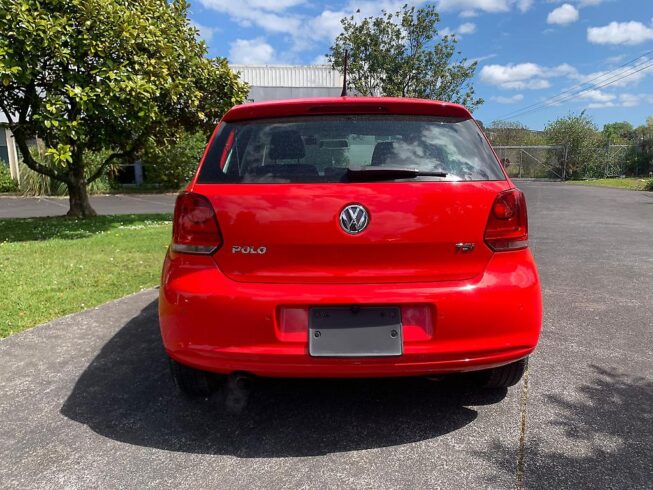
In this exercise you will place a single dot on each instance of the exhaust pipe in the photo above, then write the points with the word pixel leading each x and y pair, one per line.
pixel 237 390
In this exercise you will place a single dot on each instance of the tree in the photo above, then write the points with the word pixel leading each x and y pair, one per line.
pixel 644 134
pixel 513 133
pixel 104 75
pixel 642 157
pixel 579 137
pixel 618 133
pixel 172 164
pixel 401 54
pixel 506 133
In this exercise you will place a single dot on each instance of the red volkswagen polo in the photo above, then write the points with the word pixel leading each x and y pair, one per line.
pixel 349 237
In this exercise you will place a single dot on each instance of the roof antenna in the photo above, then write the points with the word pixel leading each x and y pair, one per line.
pixel 344 75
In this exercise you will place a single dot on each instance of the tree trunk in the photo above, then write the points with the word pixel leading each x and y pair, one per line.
pixel 80 206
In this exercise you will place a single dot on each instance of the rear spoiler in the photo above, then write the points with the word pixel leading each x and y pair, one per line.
pixel 346 105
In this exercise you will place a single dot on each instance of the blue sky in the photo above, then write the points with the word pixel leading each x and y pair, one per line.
pixel 529 51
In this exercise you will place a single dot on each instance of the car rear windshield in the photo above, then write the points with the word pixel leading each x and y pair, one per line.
pixel 329 148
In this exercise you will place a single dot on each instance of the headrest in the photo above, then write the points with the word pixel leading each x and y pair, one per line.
pixel 286 145
pixel 381 152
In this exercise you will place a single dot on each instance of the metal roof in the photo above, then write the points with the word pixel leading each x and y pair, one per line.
pixel 308 76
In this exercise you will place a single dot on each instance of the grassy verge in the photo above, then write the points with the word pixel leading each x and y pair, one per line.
pixel 50 267
pixel 632 183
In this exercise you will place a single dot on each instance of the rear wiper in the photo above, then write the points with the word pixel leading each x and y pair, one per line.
pixel 389 173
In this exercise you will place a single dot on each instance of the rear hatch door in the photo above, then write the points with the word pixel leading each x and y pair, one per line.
pixel 292 233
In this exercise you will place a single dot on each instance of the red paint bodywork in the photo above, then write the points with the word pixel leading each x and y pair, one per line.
pixel 229 312
pixel 345 105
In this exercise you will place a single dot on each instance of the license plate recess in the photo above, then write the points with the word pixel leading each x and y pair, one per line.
pixel 353 331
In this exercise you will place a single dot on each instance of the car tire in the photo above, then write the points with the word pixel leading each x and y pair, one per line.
pixel 191 382
pixel 504 376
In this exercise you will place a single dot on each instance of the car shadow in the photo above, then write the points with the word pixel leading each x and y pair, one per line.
pixel 126 394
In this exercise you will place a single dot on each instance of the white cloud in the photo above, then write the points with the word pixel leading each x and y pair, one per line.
pixel 629 100
pixel 508 75
pixel 304 31
pixel 620 33
pixel 268 15
pixel 580 3
pixel 524 75
pixel 600 105
pixel 620 77
pixel 492 6
pixel 535 84
pixel 320 59
pixel 622 100
pixel 597 96
pixel 565 14
pixel 482 58
pixel 467 28
pixel 205 32
pixel 615 59
pixel 468 13
pixel 524 5
pixel 271 22
pixel 326 25
pixel 507 100
pixel 269 5
pixel 251 52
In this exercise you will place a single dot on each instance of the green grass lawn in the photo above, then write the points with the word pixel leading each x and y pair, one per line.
pixel 50 267
pixel 632 183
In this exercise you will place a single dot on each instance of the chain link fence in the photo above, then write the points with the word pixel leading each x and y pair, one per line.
pixel 532 162
pixel 556 162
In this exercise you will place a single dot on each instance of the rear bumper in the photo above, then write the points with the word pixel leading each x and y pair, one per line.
pixel 213 323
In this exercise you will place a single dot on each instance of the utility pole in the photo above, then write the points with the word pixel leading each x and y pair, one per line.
pixel 521 158
pixel 607 158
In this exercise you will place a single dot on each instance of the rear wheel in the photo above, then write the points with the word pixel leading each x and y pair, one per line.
pixel 503 376
pixel 193 383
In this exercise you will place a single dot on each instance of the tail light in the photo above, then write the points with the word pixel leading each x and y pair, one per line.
pixel 507 227
pixel 195 228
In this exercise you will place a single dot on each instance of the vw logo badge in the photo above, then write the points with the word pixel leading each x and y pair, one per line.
pixel 354 219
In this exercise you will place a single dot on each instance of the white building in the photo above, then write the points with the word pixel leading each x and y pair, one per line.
pixel 8 153
pixel 273 82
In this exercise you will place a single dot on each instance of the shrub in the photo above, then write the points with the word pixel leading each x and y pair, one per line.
pixel 648 185
pixel 173 165
pixel 7 183
pixel 36 184
pixel 580 137
pixel 105 183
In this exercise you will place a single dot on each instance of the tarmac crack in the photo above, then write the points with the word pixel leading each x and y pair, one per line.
pixel 523 410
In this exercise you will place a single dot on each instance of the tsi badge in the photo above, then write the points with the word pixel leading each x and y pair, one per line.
pixel 239 249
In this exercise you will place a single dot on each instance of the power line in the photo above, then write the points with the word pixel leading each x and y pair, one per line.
pixel 594 87
pixel 512 114
pixel 588 82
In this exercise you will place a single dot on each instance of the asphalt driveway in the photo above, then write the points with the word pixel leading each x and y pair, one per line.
pixel 35 207
pixel 86 401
